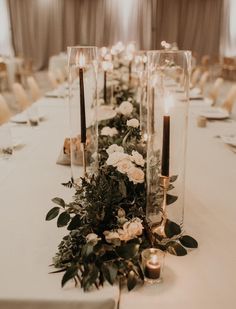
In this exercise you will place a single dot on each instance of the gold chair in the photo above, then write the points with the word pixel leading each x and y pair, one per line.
pixel 60 76
pixel 52 79
pixel 21 96
pixel 203 80
pixel 214 91
pixel 34 88
pixel 5 113
pixel 195 77
pixel 230 99
pixel 3 76
pixel 25 70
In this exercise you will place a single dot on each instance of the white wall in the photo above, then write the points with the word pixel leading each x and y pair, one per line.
pixel 5 30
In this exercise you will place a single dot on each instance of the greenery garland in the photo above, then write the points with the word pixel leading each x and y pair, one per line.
pixel 106 221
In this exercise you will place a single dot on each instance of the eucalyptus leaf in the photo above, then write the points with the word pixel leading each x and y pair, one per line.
pixel 53 213
pixel 175 248
pixel 87 250
pixel 188 241
pixel 74 223
pixel 122 188
pixel 170 199
pixel 128 251
pixel 63 219
pixel 131 280
pixel 58 271
pixel 173 178
pixel 172 229
pixel 90 278
pixel 59 201
pixel 69 274
pixel 109 272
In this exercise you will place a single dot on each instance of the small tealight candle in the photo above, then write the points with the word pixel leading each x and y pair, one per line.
pixel 152 263
pixel 152 269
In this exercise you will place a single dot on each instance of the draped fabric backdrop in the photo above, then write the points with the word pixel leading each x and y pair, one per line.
pixel 41 28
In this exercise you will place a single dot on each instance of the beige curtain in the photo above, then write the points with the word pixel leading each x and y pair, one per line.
pixel 192 24
pixel 41 28
pixel 36 29
pixel 199 26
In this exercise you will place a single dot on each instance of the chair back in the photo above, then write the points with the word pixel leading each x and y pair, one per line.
pixel 230 99
pixel 21 96
pixel 34 88
pixel 60 76
pixel 214 91
pixel 5 113
pixel 203 80
pixel 195 77
pixel 52 80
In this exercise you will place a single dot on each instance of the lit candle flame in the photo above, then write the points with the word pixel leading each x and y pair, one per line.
pixel 154 259
pixel 169 103
pixel 80 60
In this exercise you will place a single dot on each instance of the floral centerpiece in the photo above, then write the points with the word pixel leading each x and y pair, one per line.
pixel 106 220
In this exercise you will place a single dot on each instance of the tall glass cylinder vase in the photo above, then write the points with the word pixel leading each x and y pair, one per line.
pixel 168 95
pixel 82 65
pixel 140 71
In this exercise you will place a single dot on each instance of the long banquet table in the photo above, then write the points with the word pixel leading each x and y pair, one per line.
pixel 206 278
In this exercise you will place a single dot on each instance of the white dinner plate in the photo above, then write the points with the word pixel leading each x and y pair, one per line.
pixel 52 94
pixel 17 143
pixel 19 118
pixel 22 118
pixel 215 113
pixel 195 94
pixel 229 139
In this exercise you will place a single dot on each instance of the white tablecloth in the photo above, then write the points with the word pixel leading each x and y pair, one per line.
pixel 28 182
pixel 206 278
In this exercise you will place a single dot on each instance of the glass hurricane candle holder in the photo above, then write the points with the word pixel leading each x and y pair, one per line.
pixel 168 92
pixel 83 65
pixel 140 74
pixel 153 265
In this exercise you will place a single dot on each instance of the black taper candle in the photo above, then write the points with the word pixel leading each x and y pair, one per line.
pixel 82 106
pixel 105 87
pixel 130 71
pixel 153 111
pixel 165 146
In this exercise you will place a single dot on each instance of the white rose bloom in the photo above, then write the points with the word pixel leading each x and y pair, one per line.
pixel 92 238
pixel 125 108
pixel 134 227
pixel 112 237
pixel 136 175
pixel 114 148
pixel 124 165
pixel 133 123
pixel 138 158
pixel 115 157
pixel 124 235
pixel 107 131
